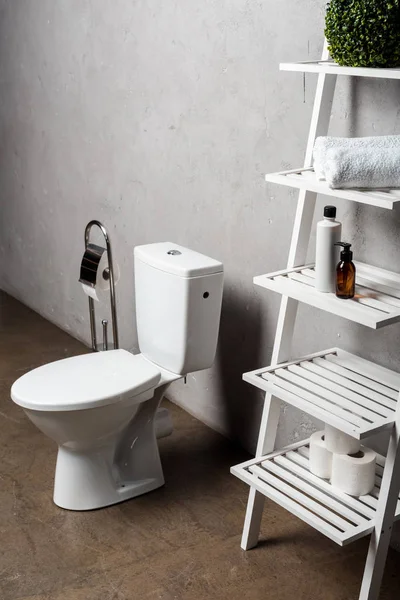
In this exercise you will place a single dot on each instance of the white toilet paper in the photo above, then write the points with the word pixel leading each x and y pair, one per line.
pixel 102 285
pixel 163 423
pixel 90 291
pixel 339 442
pixel 354 474
pixel 320 457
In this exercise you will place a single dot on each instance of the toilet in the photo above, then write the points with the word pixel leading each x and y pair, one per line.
pixel 100 408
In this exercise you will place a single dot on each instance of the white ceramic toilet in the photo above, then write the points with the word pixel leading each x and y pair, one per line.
pixel 100 408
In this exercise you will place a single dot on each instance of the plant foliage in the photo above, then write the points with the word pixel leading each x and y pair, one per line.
pixel 364 33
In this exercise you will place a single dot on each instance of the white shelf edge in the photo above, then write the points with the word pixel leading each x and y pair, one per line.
pixel 284 477
pixel 375 305
pixel 329 67
pixel 349 393
pixel 304 179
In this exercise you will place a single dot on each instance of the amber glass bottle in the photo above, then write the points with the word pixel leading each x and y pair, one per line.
pixel 345 273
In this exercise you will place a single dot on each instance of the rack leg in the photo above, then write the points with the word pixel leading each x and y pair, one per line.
pixel 269 422
pixel 252 521
pixel 255 503
pixel 380 538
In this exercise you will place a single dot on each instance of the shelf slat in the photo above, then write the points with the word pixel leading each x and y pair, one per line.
pixel 352 394
pixel 285 477
pixel 330 67
pixel 375 304
pixel 305 179
pixel 299 463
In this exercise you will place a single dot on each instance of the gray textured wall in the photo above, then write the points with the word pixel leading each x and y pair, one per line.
pixel 160 119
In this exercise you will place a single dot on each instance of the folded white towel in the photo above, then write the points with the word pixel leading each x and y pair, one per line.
pixel 324 144
pixel 368 168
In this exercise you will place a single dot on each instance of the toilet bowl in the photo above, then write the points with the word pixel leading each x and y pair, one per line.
pixel 96 407
pixel 100 408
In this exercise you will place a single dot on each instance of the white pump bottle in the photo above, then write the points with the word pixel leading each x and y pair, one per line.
pixel 329 231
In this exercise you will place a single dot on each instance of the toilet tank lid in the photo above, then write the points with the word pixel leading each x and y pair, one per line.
pixel 177 260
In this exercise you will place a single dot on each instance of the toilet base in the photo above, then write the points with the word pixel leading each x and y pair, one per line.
pixel 128 465
pixel 85 481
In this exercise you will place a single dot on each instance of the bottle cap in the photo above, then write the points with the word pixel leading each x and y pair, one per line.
pixel 330 212
pixel 346 254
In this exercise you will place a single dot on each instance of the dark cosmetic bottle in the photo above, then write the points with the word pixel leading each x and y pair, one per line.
pixel 345 273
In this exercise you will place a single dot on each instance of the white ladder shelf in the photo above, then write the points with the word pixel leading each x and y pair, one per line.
pixel 350 393
pixel 305 179
pixel 376 302
pixel 285 477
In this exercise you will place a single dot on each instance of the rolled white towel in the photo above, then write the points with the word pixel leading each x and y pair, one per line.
pixel 324 144
pixel 368 168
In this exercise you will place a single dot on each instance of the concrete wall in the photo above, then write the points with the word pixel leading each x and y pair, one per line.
pixel 160 119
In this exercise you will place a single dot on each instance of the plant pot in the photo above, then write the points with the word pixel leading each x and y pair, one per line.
pixel 364 33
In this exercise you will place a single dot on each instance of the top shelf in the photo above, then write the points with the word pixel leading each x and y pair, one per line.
pixel 331 68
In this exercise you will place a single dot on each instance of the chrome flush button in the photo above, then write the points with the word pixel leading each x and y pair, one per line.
pixel 174 252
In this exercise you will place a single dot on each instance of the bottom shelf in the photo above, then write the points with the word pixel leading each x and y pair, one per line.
pixel 285 477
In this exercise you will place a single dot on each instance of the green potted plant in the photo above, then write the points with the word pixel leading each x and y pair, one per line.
pixel 364 33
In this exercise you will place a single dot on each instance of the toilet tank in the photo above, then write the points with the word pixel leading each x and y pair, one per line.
pixel 178 305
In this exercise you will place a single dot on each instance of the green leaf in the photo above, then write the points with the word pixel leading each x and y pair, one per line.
pixel 364 33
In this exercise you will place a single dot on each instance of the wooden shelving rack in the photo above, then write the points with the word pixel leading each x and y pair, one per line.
pixel 352 394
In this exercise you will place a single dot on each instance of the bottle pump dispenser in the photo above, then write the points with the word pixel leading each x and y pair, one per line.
pixel 345 273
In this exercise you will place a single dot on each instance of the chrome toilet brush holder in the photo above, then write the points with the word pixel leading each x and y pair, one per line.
pixel 88 276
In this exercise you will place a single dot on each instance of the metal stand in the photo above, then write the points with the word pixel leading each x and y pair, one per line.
pixel 88 276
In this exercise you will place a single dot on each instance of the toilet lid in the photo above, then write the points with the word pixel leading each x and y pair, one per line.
pixel 85 381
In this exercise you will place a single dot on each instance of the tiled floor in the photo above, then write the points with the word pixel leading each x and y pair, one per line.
pixel 179 542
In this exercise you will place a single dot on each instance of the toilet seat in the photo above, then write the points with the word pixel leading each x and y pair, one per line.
pixel 85 381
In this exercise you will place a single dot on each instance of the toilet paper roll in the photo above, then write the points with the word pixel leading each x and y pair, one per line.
pixel 320 457
pixel 339 442
pixel 163 423
pixel 102 285
pixel 354 474
pixel 90 291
